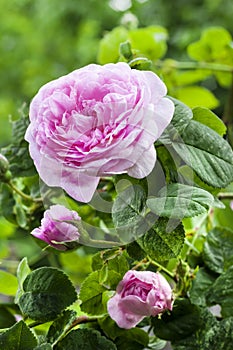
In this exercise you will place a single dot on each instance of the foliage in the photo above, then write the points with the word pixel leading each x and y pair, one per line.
pixel 177 221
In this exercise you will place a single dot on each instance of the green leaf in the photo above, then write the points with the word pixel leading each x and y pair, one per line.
pixel 200 287
pixel 195 96
pixel 23 271
pixel 221 292
pixel 60 326
pixel 7 203
pixel 109 45
pixel 47 292
pixel 161 242
pixel 181 118
pixel 127 213
pixel 8 283
pixel 135 338
pixel 217 252
pixel 149 41
pixel 183 320
pixel 18 337
pixel 207 153
pixel 45 346
pixel 6 317
pixel 210 119
pixel 17 153
pixel 85 339
pixel 91 295
pixel 179 201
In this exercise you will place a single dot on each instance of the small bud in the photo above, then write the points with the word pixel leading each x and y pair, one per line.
pixel 125 50
pixel 5 174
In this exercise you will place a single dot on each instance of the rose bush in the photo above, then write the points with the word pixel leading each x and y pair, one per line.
pixel 55 230
pixel 94 122
pixel 139 294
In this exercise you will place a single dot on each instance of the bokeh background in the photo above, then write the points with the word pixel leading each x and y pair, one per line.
pixel 43 39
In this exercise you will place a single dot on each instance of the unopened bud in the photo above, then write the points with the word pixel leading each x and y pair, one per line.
pixel 5 174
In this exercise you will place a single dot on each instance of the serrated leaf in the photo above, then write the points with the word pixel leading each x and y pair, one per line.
pixel 183 320
pixel 17 153
pixel 221 292
pixel 91 295
pixel 207 153
pixel 161 243
pixel 85 339
pixel 127 213
pixel 60 326
pixel 195 96
pixel 200 287
pixel 179 201
pixel 207 117
pixel 8 283
pixel 18 337
pixel 217 252
pixel 47 292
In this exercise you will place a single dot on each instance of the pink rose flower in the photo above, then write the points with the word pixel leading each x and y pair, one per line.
pixel 94 122
pixel 139 294
pixel 55 230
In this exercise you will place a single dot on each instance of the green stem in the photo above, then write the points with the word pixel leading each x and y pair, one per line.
pixel 155 263
pixel 225 195
pixel 103 244
pixel 22 194
pixel 195 65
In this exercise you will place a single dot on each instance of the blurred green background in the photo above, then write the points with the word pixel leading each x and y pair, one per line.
pixel 43 39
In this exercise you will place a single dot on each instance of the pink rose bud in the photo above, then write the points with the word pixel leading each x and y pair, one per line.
pixel 94 122
pixel 139 294
pixel 55 228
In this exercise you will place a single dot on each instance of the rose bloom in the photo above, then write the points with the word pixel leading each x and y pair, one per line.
pixel 55 230
pixel 139 294
pixel 97 121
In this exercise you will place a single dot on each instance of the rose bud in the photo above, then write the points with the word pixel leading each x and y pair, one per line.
pixel 139 294
pixel 56 230
pixel 97 121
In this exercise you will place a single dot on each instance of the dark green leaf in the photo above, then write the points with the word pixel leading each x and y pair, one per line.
pixel 85 339
pixel 182 321
pixel 179 201
pixel 91 295
pixel 45 346
pixel 60 326
pixel 200 287
pixel 221 292
pixel 161 242
pixel 7 203
pixel 207 153
pixel 217 252
pixel 17 153
pixel 18 337
pixel 127 213
pixel 6 318
pixel 47 292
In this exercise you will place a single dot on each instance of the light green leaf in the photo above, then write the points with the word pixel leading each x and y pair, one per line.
pixel 8 283
pixel 218 248
pixel 109 45
pixel 91 295
pixel 23 271
pixel 179 201
pixel 85 339
pixel 47 292
pixel 18 337
pixel 162 243
pixel 195 96
pixel 207 153
pixel 210 119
